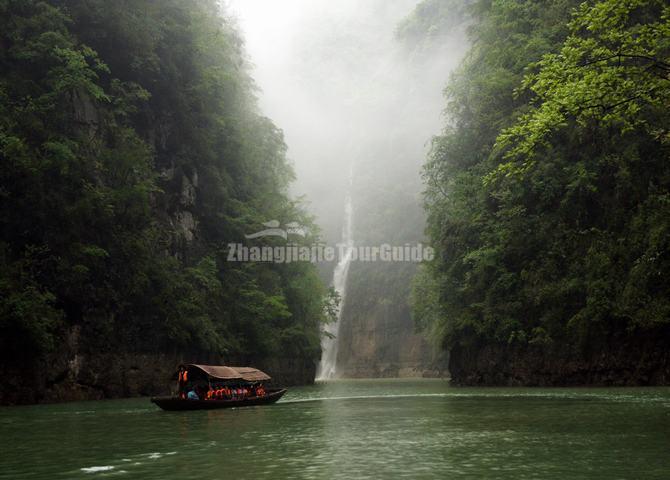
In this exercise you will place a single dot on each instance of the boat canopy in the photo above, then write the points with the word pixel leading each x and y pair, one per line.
pixel 222 372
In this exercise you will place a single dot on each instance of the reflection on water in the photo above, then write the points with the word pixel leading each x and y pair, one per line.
pixel 351 429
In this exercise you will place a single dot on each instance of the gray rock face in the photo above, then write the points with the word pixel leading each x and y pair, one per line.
pixel 641 359
pixel 384 345
pixel 188 190
pixel 377 337
pixel 119 375
pixel 85 112
pixel 185 225
pixel 73 373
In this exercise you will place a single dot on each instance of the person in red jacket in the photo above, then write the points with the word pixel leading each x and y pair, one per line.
pixel 182 378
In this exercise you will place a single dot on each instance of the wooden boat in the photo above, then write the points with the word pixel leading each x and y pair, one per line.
pixel 204 377
pixel 175 403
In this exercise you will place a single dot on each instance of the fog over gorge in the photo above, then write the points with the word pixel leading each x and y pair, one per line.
pixel 335 239
pixel 356 93
pixel 335 77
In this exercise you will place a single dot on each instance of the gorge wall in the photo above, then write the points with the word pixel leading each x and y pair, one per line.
pixel 133 153
pixel 633 359
pixel 75 373
pixel 377 337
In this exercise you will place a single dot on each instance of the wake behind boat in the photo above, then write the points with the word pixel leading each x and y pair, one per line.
pixel 206 387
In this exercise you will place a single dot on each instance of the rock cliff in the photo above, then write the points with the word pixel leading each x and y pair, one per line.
pixel 71 375
pixel 642 359
pixel 377 337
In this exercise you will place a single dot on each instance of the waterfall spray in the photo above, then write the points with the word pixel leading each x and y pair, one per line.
pixel 327 368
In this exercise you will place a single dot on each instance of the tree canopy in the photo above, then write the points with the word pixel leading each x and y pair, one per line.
pixel 547 192
pixel 132 153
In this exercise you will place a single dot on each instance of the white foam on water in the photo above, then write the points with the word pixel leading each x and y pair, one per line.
pixel 492 395
pixel 102 468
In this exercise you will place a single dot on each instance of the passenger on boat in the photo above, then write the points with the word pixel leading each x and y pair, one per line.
pixel 183 377
pixel 192 395
pixel 182 380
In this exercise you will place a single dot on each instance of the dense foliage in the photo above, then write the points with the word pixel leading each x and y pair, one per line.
pixel 548 193
pixel 132 152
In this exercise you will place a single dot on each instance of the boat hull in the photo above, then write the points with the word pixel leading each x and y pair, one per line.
pixel 175 403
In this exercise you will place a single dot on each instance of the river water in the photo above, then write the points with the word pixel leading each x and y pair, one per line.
pixel 352 429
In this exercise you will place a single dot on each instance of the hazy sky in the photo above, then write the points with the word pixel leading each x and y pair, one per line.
pixel 343 89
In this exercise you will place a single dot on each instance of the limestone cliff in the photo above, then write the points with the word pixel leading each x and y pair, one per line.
pixel 377 337
pixel 73 374
pixel 631 360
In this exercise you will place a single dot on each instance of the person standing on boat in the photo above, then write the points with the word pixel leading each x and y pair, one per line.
pixel 183 380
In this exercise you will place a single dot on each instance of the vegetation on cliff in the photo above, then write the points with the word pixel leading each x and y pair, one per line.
pixel 548 193
pixel 132 152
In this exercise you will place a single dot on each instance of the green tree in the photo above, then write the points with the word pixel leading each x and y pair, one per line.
pixel 547 192
pixel 132 153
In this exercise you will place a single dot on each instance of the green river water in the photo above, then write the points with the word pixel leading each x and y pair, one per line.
pixel 352 429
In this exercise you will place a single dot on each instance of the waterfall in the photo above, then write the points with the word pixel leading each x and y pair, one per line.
pixel 327 368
